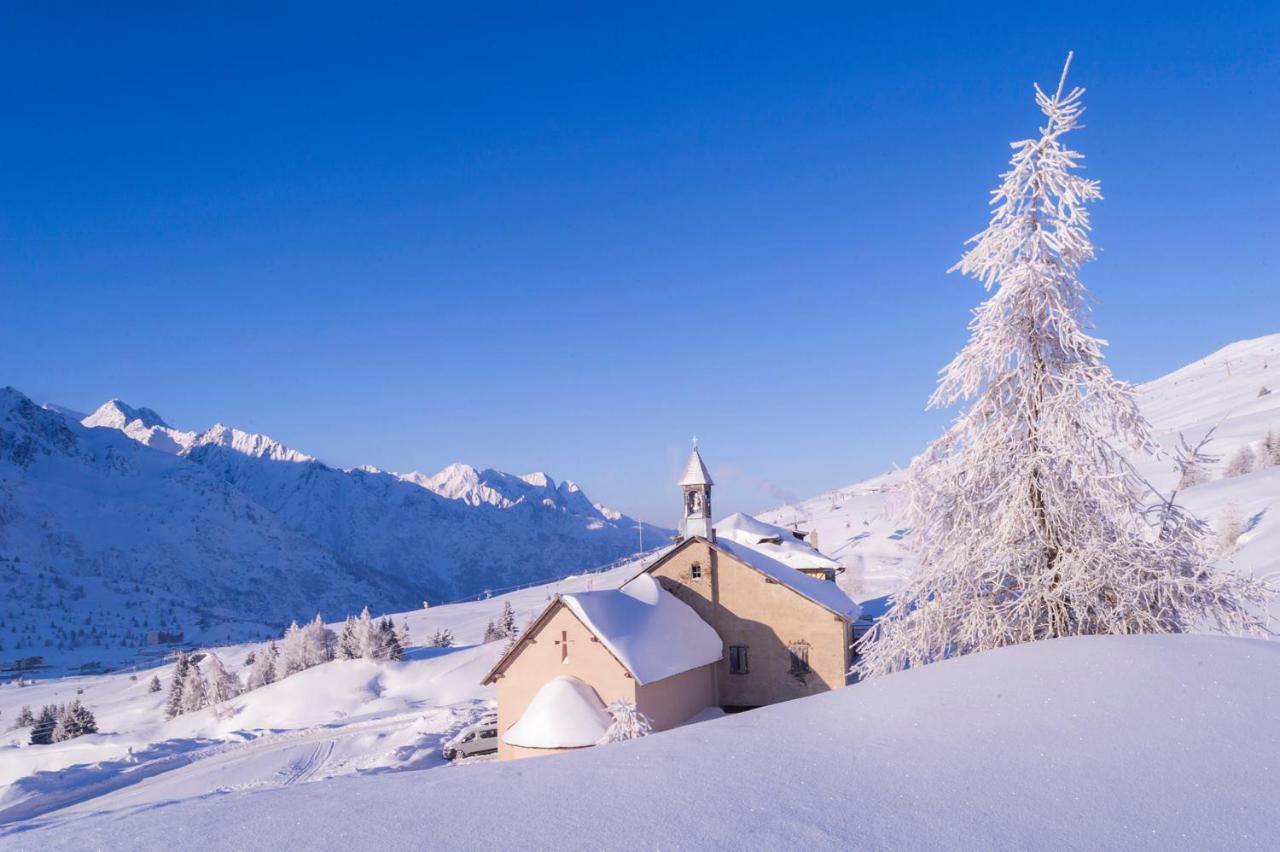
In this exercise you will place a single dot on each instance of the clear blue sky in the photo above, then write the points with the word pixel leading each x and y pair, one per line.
pixel 571 240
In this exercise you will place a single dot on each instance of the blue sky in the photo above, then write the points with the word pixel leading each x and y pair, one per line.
pixel 569 241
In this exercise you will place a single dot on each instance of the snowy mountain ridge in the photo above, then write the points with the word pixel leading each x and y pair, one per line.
pixel 127 526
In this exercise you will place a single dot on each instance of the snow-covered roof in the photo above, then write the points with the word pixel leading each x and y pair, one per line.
pixel 822 592
pixel 651 632
pixel 695 472
pixel 565 713
pixel 779 543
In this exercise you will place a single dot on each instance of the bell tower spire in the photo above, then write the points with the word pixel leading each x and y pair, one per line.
pixel 695 489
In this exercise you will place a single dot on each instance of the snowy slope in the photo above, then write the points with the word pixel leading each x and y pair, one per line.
pixel 861 525
pixel 339 718
pixel 1086 743
pixel 137 526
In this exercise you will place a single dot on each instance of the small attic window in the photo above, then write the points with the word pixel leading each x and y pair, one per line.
pixel 695 571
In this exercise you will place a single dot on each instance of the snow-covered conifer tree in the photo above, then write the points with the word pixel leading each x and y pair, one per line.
pixel 195 689
pixel 75 720
pixel 371 647
pixel 348 646
pixel 264 667
pixel 442 638
pixel 1244 461
pixel 507 622
pixel 43 727
pixel 491 632
pixel 173 706
pixel 320 642
pixel 628 723
pixel 1028 520
pixel 223 685
pixel 293 650
pixel 1270 455
pixel 25 718
pixel 1229 527
pixel 154 685
pixel 389 640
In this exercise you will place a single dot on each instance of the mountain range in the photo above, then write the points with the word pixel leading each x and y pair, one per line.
pixel 116 524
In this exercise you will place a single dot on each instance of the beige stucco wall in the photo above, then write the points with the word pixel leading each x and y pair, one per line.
pixel 540 661
pixel 746 608
pixel 673 700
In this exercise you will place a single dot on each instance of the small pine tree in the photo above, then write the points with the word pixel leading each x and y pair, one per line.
pixel 628 723
pixel 491 633
pixel 389 640
pixel 264 667
pixel 371 647
pixel 1228 529
pixel 348 644
pixel 25 718
pixel 223 685
pixel 195 690
pixel 154 686
pixel 320 642
pixel 507 621
pixel 293 650
pixel 173 705
pixel 44 725
pixel 1270 455
pixel 442 638
pixel 1242 462
pixel 75 720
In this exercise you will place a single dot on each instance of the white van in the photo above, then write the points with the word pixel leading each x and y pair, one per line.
pixel 480 738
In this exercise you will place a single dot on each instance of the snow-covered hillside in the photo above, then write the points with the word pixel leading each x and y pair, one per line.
pixel 1086 743
pixel 339 718
pixel 1226 391
pixel 122 524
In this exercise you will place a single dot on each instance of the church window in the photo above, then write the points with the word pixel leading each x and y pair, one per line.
pixel 695 571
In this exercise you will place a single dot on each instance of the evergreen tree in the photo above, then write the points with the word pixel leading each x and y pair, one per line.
pixel 154 686
pixel 491 633
pixel 173 705
pixel 264 667
pixel 25 718
pixel 367 634
pixel 320 642
pixel 223 685
pixel 628 723
pixel 75 720
pixel 1244 461
pixel 1028 520
pixel 1229 528
pixel 442 638
pixel 390 640
pixel 507 622
pixel 1270 449
pixel 293 650
pixel 45 723
pixel 195 690
pixel 348 646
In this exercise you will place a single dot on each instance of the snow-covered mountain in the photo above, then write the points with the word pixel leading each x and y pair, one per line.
pixel 125 524
pixel 1234 391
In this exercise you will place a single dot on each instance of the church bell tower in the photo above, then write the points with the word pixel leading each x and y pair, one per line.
pixel 695 488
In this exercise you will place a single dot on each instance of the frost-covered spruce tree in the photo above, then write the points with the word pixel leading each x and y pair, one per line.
pixel 264 667
pixel 348 645
pixel 43 727
pixel 628 722
pixel 293 650
pixel 195 689
pixel 173 705
pixel 154 685
pixel 223 685
pixel 1028 521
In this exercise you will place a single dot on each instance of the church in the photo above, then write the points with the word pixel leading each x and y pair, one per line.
pixel 734 615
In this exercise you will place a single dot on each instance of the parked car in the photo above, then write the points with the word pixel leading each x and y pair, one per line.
pixel 480 738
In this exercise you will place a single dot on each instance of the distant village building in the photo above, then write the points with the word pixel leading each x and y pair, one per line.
pixel 735 615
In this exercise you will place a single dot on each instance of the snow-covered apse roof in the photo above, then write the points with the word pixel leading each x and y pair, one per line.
pixel 822 592
pixel 651 632
pixel 565 713
pixel 779 543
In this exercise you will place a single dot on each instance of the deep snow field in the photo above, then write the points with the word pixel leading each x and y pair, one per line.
pixel 1118 742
